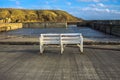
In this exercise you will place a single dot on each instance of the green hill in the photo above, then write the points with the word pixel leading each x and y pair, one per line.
pixel 24 15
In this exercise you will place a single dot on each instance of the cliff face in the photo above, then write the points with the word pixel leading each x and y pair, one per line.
pixel 23 15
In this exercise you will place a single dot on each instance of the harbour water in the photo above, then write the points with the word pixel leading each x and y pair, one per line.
pixel 35 32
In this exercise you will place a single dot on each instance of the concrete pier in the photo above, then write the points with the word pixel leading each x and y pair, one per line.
pixel 23 62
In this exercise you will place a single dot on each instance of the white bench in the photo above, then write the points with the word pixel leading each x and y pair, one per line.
pixel 61 39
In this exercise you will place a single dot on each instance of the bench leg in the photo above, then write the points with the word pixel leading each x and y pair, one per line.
pixel 80 47
pixel 62 49
pixel 41 49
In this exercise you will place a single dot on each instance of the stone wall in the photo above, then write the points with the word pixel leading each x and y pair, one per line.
pixel 13 26
pixel 9 26
pixel 107 26
pixel 44 25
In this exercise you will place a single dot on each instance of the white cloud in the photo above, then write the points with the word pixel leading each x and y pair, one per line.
pixel 46 2
pixel 17 2
pixel 96 15
pixel 69 3
pixel 115 11
pixel 45 7
pixel 98 5
pixel 101 4
pixel 19 7
pixel 106 10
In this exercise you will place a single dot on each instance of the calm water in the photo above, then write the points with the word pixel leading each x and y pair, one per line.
pixel 86 31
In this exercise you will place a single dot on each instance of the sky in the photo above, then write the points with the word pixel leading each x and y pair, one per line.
pixel 85 9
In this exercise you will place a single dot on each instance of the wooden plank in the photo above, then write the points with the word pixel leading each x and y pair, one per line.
pixel 51 42
pixel 51 34
pixel 71 42
pixel 71 34
pixel 51 37
pixel 71 37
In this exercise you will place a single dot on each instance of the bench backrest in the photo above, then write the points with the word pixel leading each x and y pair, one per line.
pixel 71 38
pixel 50 38
pixel 65 38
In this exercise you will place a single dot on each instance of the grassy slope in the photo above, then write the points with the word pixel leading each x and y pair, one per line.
pixel 24 15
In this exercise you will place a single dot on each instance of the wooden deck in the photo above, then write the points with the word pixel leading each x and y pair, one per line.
pixel 22 62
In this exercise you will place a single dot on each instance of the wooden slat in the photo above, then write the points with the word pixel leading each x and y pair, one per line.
pixel 51 37
pixel 71 37
pixel 51 42
pixel 71 42
pixel 50 34
pixel 70 34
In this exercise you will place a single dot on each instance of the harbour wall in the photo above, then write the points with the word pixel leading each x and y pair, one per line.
pixel 12 26
pixel 9 26
pixel 44 25
pixel 111 27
